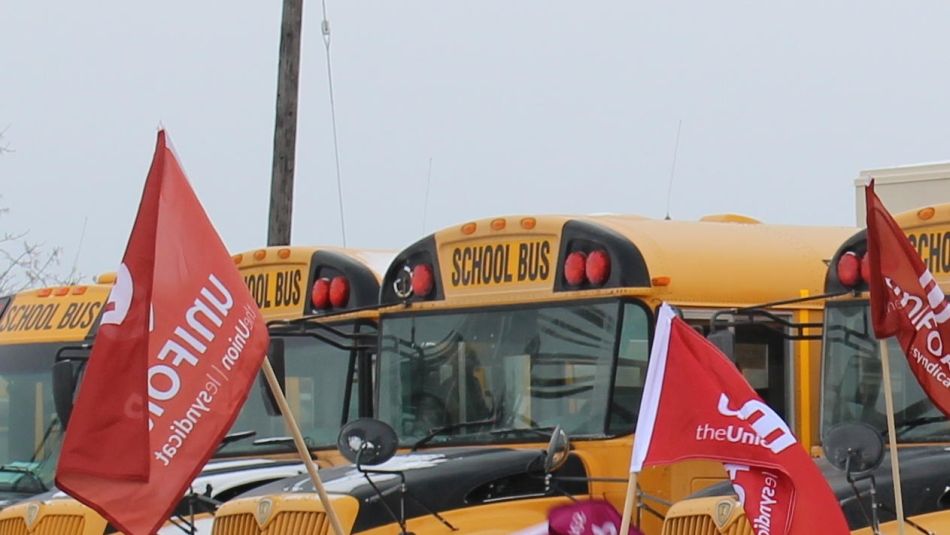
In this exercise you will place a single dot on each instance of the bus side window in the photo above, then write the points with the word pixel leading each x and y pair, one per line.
pixel 633 354
pixel 760 356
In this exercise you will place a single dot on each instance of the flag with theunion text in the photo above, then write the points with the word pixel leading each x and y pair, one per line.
pixel 180 343
pixel 697 405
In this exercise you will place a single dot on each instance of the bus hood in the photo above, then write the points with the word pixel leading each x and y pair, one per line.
pixel 222 476
pixel 925 485
pixel 10 498
pixel 441 479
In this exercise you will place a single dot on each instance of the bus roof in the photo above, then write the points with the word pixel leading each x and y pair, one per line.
pixel 58 314
pixel 927 228
pixel 697 262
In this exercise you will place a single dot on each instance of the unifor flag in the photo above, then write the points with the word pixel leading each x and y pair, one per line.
pixel 179 344
pixel 906 302
pixel 697 405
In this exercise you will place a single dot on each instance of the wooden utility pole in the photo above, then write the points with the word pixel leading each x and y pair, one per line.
pixel 285 126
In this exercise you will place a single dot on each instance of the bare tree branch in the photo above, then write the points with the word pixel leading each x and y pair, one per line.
pixel 25 264
pixel 4 146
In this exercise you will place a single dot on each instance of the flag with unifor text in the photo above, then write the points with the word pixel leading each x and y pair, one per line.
pixel 906 302
pixel 697 405
pixel 179 345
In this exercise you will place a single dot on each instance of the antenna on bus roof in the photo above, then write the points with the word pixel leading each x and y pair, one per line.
pixel 325 29
pixel 82 236
pixel 669 190
pixel 425 207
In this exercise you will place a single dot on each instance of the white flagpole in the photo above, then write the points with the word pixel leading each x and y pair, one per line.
pixel 892 436
pixel 649 404
pixel 301 445
pixel 629 503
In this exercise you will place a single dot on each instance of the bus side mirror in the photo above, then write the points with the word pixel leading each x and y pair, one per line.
pixel 275 355
pixel 725 340
pixel 64 389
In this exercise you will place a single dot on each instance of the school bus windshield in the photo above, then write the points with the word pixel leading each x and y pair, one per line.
pixel 320 390
pixel 513 369
pixel 30 432
pixel 852 387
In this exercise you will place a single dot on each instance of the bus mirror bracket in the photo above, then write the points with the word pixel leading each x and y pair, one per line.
pixel 64 388
pixel 559 447
pixel 275 355
pixel 67 367
pixel 725 340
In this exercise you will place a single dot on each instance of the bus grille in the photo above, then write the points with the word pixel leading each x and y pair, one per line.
pixel 48 525
pixel 285 523
pixel 13 526
pixel 704 525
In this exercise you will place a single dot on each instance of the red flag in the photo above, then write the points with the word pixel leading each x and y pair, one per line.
pixel 180 343
pixel 696 405
pixel 906 302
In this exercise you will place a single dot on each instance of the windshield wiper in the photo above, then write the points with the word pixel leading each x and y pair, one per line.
pixel 231 438
pixel 905 426
pixel 274 441
pixel 27 472
pixel 447 428
pixel 544 432
pixel 285 441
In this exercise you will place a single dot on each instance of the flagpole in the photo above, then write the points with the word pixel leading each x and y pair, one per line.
pixel 892 435
pixel 629 503
pixel 301 445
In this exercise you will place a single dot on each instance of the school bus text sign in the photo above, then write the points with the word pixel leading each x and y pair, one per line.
pixel 30 318
pixel 933 246
pixel 279 291
pixel 523 262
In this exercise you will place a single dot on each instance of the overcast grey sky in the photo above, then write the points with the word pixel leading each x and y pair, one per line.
pixel 524 107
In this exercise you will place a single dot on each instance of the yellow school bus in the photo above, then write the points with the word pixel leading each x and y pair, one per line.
pixel 495 331
pixel 851 392
pixel 322 365
pixel 36 325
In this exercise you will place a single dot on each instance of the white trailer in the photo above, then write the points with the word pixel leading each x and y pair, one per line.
pixel 904 188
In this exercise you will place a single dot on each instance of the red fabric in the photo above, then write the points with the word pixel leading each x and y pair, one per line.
pixel 589 517
pixel 162 389
pixel 696 405
pixel 907 302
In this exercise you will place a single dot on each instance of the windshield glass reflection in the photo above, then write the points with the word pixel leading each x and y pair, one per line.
pixel 30 432
pixel 852 385
pixel 488 374
pixel 317 375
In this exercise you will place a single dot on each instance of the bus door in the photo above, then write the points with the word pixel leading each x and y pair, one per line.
pixel 759 343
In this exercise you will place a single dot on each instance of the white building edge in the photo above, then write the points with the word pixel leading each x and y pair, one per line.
pixel 904 187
